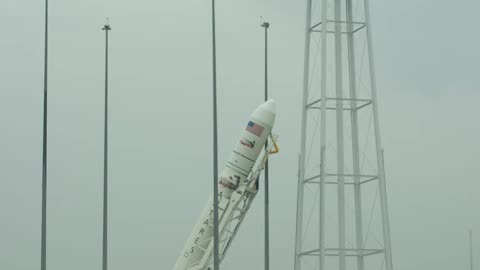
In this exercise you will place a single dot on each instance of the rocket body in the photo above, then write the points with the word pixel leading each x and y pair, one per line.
pixel 236 170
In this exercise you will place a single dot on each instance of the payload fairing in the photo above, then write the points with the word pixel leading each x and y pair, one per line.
pixel 236 191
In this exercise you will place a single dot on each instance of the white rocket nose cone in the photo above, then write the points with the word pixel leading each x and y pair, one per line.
pixel 266 113
pixel 269 106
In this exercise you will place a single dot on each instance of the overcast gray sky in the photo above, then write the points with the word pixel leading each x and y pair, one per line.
pixel 427 67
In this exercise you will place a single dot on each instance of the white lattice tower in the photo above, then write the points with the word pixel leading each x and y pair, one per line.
pixel 342 214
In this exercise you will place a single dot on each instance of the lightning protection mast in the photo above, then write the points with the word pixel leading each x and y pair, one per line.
pixel 342 215
pixel 105 28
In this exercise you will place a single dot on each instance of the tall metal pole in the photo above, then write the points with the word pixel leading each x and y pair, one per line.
pixel 471 250
pixel 106 28
pixel 43 263
pixel 267 212
pixel 216 261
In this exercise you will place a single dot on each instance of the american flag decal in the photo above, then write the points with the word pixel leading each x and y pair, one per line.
pixel 254 128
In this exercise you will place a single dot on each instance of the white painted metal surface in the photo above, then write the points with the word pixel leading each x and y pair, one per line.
pixel 236 190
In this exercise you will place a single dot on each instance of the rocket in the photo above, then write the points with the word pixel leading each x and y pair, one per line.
pixel 235 174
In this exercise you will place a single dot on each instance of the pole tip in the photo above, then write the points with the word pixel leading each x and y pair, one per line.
pixel 107 25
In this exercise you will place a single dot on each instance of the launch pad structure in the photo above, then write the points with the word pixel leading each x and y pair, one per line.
pixel 342 215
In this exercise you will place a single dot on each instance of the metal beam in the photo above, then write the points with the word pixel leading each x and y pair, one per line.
pixel 340 135
pixel 323 136
pixel 301 162
pixel 378 144
pixel 355 135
